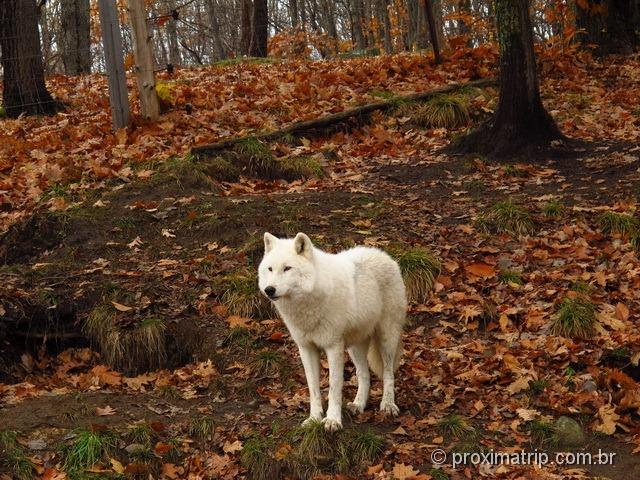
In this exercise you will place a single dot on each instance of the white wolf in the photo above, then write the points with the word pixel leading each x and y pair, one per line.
pixel 354 299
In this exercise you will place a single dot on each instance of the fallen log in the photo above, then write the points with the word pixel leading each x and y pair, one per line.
pixel 336 118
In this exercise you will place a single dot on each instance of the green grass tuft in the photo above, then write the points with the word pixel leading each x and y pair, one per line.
pixel 257 158
pixel 257 457
pixel 240 294
pixel 221 169
pixel 542 432
pixel 442 111
pixel 140 348
pixel 13 458
pixel 506 217
pixel 185 171
pixel 304 167
pixel 140 433
pixel 438 474
pixel 455 425
pixel 613 222
pixel 513 171
pixel 267 362
pixel 553 209
pixel 420 269
pixel 575 318
pixel 536 387
pixel 202 428
pixel 510 277
pixel 87 448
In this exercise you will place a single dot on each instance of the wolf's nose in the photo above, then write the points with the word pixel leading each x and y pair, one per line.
pixel 270 291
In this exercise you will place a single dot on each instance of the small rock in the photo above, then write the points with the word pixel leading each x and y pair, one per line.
pixel 589 386
pixel 135 448
pixel 37 444
pixel 505 263
pixel 569 433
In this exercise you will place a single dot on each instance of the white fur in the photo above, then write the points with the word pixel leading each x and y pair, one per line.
pixel 352 300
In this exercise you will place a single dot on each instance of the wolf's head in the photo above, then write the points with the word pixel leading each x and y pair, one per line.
pixel 287 269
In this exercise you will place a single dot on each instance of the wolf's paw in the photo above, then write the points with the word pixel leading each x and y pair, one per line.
pixel 331 424
pixel 311 420
pixel 355 408
pixel 389 408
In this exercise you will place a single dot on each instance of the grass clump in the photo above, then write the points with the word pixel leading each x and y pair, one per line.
pixel 506 217
pixel 541 431
pixel 308 451
pixel 536 387
pixel 221 169
pixel 510 277
pixel 419 268
pixel 88 448
pixel 13 457
pixel 201 428
pixel 303 167
pixel 456 426
pixel 140 433
pixel 553 209
pixel 513 171
pixel 257 457
pixel 256 158
pixel 142 347
pixel 622 223
pixel 575 318
pixel 185 171
pixel 240 294
pixel 442 111
pixel 267 362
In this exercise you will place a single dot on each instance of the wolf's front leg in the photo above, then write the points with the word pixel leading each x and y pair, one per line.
pixel 310 356
pixel 335 356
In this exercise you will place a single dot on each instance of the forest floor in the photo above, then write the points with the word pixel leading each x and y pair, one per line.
pixel 158 244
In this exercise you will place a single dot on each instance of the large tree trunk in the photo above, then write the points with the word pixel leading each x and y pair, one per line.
pixel 433 33
pixel 24 89
pixel 293 13
pixel 385 24
pixel 217 49
pixel 613 26
pixel 245 27
pixel 520 121
pixel 172 33
pixel 259 29
pixel 358 39
pixel 76 36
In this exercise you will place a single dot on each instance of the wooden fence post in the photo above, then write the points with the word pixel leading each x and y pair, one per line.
pixel 114 61
pixel 143 54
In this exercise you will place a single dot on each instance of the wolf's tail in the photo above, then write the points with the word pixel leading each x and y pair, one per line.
pixel 374 357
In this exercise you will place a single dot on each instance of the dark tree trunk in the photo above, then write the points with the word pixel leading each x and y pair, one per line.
pixel 385 24
pixel 217 50
pixel 259 29
pixel 24 89
pixel 520 121
pixel 76 36
pixel 293 13
pixel 358 23
pixel 433 33
pixel 613 26
pixel 245 27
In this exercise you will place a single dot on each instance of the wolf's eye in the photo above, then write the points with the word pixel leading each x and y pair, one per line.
pixel 270 269
pixel 287 269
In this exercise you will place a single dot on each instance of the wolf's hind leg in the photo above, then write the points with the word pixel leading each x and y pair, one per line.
pixel 358 354
pixel 389 345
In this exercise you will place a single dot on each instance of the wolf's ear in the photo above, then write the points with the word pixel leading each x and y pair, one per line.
pixel 303 245
pixel 269 242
